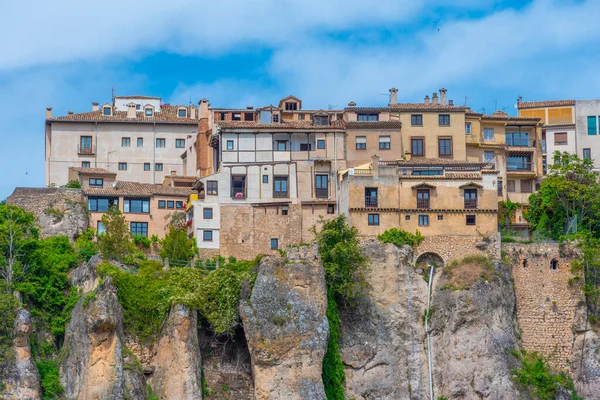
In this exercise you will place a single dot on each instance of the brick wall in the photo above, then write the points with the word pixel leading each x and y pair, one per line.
pixel 546 304
pixel 453 247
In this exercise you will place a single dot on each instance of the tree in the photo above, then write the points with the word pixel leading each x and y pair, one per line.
pixel 116 242
pixel 177 246
pixel 18 238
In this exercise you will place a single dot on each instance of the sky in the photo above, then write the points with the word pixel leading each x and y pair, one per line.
pixel 68 53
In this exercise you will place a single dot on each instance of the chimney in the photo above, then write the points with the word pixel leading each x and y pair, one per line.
pixel 173 173
pixel 434 98
pixel 393 96
pixel 131 110
pixel 426 99
pixel 48 112
pixel 95 106
pixel 203 108
pixel 70 112
pixel 193 112
pixel 443 96
pixel 519 100
pixel 352 104
pixel 375 165
pixel 407 155
pixel 451 103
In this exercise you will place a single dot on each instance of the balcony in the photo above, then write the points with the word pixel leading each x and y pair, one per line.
pixel 371 201
pixel 470 203
pixel 321 193
pixel 423 203
pixel 278 194
pixel 519 166
pixel 86 150
pixel 516 142
pixel 238 193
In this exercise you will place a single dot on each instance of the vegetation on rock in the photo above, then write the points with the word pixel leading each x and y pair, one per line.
pixel 85 245
pixel 462 274
pixel 116 243
pixel 8 311
pixel 401 238
pixel 177 246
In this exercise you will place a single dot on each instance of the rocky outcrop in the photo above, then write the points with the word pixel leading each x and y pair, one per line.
pixel 177 375
pixel 93 367
pixel 21 378
pixel 382 337
pixel 85 277
pixel 472 332
pixel 585 364
pixel 286 326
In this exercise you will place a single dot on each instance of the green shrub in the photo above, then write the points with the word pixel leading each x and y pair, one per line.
pixel 8 312
pixel 150 395
pixel 401 238
pixel 49 379
pixel 333 367
pixel 73 184
pixel 116 242
pixel 86 248
pixel 141 241
pixel 178 246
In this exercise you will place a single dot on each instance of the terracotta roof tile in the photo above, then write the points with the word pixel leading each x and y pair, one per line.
pixel 125 188
pixel 283 126
pixel 549 103
pixel 446 176
pixel 92 171
pixel 434 162
pixel 167 114
pixel 426 107
pixel 559 126
pixel 138 97
pixel 373 125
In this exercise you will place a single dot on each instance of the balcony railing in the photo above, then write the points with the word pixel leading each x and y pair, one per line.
pixel 322 193
pixel 516 142
pixel 423 203
pixel 519 166
pixel 371 201
pixel 238 193
pixel 280 194
pixel 86 149
pixel 470 203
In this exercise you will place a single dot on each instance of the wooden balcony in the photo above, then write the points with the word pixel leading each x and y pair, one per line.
pixel 86 150
pixel 371 201
pixel 470 203
pixel 423 203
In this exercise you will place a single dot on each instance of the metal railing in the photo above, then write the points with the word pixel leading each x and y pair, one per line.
pixel 519 166
pixel 237 193
pixel 470 203
pixel 86 149
pixel 321 193
pixel 519 142
pixel 277 194
pixel 423 203
pixel 371 201
pixel 362 172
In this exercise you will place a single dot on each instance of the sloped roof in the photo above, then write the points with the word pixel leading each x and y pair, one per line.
pixel 167 114
pixel 290 97
pixel 92 171
pixel 373 125
pixel 548 103
pixel 282 126
pixel 126 188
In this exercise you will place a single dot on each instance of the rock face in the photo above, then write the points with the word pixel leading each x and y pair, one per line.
pixel 286 326
pixel 382 337
pixel 21 378
pixel 93 367
pixel 178 365
pixel 471 333
pixel 85 277
pixel 585 365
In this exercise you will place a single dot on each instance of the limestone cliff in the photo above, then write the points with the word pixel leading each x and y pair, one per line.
pixel 382 342
pixel 585 363
pixel 286 327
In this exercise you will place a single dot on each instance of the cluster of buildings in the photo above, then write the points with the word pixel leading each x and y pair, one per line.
pixel 254 180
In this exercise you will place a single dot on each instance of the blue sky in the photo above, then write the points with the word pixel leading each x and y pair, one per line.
pixel 69 53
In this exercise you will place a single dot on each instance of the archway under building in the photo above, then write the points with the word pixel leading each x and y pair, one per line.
pixel 429 258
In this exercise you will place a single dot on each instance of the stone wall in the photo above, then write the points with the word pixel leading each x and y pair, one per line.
pixel 453 247
pixel 548 306
pixel 59 211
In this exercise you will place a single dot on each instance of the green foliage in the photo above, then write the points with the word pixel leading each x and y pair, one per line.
pixel 8 311
pixel 333 367
pixel 49 379
pixel 588 265
pixel 150 395
pixel 536 375
pixel 177 246
pixel 506 210
pixel 54 212
pixel 141 241
pixel 206 391
pixel 154 239
pixel 73 184
pixel 116 243
pixel 91 296
pixel 18 239
pixel 401 238
pixel 86 248
pixel 427 315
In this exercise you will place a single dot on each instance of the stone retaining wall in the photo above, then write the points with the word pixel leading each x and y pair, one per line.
pixel 454 247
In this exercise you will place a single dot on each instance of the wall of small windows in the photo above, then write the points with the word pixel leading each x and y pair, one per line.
pixel 170 204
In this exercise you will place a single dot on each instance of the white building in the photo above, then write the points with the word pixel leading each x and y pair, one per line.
pixel 587 114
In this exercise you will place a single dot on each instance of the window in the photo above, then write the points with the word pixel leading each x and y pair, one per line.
pixel 207 213
pixel 275 117
pixel 423 220
pixel 321 186
pixel 320 144
pixel 138 107
pixel 136 205
pixel 416 147
pixel 180 143
pixel 158 167
pixel 96 182
pixel 122 166
pixel 160 142
pixel 230 145
pixel 524 263
pixel 519 163
pixel 140 142
pixel 471 220
pixel 488 156
pixel 499 187
pixel 170 204
pixel 428 172
pixel 445 147
pixel 444 119
pixel 148 111
pixel 330 209
pixel 517 139
pixel 301 117
pixel 125 142
pixel 274 243
pixel 407 217
pixel 554 264
pixel 100 228
pixel 510 186
pixel 305 146
pixel 440 217
pixel 592 125
pixel 470 198
pixel 281 145
pixel 146 166
pixel 587 154
pixel 139 228
pixel 85 164
pixel 526 186
pixel 560 139
pixel 280 186
pixel 416 120
pixel 212 187
pixel 182 113
pixel 223 116
pixel 179 205
pixel 248 117
pixel 384 142
pixel 162 204
pixel 488 133
pixel 291 106
pixel 236 117
pixel 423 198
pixel 106 111
pixel 265 179
pixel 207 236
pixel 467 128
pixel 361 143
pixel 85 143
pixel 284 211
pixel 238 186
pixel 101 204
pixel 374 219
pixel 321 120
pixel 368 117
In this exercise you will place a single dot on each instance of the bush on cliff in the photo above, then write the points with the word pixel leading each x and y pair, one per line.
pixel 401 238
pixel 116 243
pixel 8 311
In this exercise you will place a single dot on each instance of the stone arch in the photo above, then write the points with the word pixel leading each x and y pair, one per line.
pixel 429 258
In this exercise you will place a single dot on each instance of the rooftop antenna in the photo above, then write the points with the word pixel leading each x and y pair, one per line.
pixel 466 98
pixel 113 91
pixel 330 107
pixel 495 105
pixel 483 109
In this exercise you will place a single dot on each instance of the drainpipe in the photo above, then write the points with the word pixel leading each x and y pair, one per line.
pixel 337 208
pixel 96 142
pixel 154 156
pixel 431 268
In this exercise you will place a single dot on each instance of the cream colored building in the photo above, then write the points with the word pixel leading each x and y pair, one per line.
pixel 136 137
